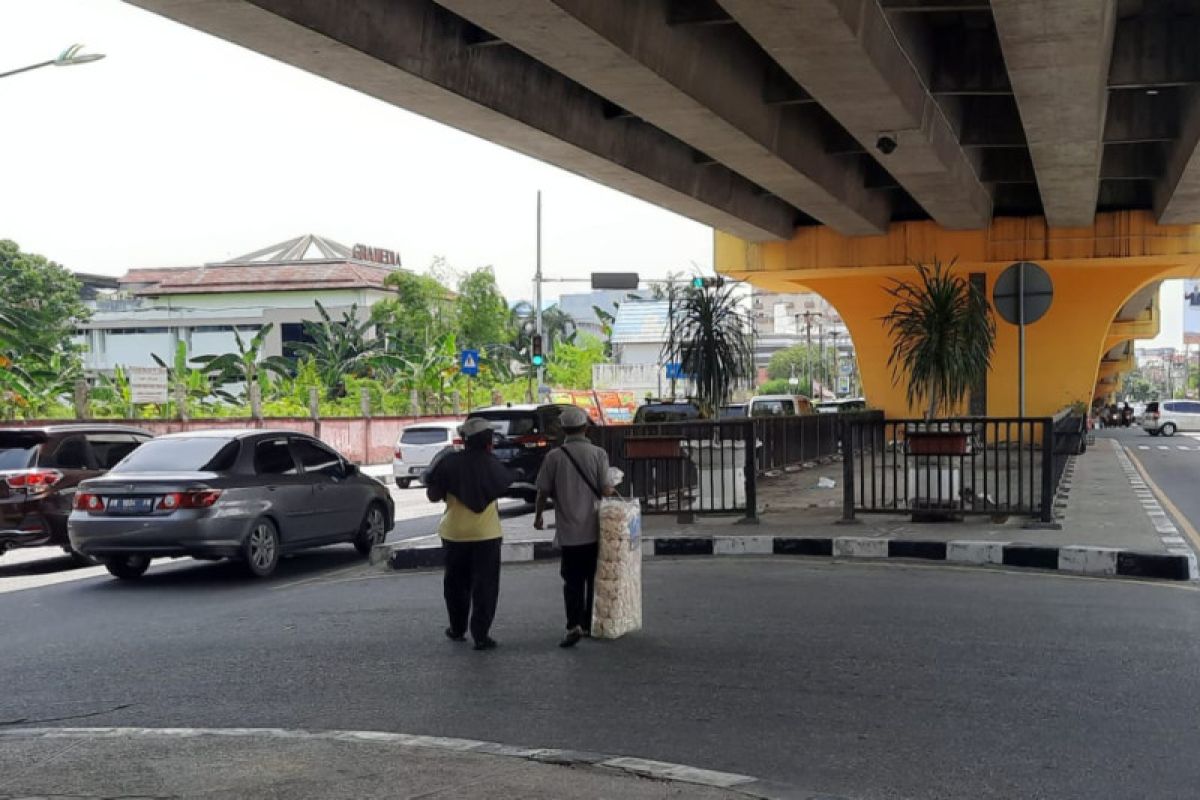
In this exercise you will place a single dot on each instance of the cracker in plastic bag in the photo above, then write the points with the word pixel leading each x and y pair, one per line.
pixel 618 605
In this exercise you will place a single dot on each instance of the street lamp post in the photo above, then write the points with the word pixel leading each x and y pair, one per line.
pixel 67 58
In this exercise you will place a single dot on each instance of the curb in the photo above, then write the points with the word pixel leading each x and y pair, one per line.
pixel 1074 559
pixel 639 767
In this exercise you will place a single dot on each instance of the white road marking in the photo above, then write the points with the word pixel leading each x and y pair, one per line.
pixel 1166 530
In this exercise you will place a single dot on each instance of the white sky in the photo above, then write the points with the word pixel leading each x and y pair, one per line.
pixel 179 148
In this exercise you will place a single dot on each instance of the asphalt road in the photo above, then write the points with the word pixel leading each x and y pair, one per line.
pixel 863 681
pixel 1172 462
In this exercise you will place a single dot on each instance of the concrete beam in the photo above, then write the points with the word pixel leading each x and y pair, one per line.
pixel 702 84
pixel 421 57
pixel 1177 195
pixel 1057 53
pixel 846 55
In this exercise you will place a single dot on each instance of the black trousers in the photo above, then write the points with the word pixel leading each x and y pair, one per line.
pixel 578 572
pixel 472 585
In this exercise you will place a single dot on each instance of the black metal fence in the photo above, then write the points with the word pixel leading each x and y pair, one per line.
pixel 711 467
pixel 995 465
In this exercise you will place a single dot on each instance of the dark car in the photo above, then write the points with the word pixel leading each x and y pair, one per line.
pixel 39 470
pixel 252 496
pixel 524 435
pixel 666 411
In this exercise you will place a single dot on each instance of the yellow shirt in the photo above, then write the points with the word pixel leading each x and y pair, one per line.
pixel 461 524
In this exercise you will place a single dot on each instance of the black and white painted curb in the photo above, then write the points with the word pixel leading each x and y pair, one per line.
pixel 1082 560
pixel 640 767
pixel 1166 530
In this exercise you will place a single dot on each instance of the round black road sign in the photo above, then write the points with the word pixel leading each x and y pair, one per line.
pixel 1039 292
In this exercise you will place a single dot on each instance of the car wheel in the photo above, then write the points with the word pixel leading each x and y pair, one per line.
pixel 1152 433
pixel 127 568
pixel 404 483
pixel 372 531
pixel 1168 429
pixel 261 550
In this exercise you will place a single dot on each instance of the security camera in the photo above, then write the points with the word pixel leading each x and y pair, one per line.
pixel 885 145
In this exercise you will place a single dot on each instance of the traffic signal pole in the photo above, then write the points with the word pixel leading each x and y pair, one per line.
pixel 537 282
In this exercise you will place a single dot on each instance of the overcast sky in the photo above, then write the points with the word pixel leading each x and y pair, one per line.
pixel 179 149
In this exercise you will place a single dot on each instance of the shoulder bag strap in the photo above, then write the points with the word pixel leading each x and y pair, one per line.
pixel 582 474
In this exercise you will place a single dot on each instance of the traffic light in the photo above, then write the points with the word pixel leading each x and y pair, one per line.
pixel 536 355
pixel 701 282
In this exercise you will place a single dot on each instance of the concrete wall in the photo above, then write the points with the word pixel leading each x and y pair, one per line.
pixel 362 440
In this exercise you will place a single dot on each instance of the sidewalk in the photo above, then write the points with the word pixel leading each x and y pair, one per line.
pixel 301 765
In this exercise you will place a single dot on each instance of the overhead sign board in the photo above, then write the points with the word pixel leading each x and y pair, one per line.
pixel 147 384
pixel 468 363
pixel 1191 312
pixel 614 280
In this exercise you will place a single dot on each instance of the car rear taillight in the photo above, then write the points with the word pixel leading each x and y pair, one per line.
pixel 457 444
pixel 399 454
pixel 89 502
pixel 203 498
pixel 34 481
pixel 532 441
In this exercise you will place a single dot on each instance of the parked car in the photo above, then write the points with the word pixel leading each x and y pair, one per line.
pixel 247 495
pixel 666 411
pixel 779 405
pixel 39 470
pixel 732 411
pixel 1168 416
pixel 417 446
pixel 844 406
pixel 524 434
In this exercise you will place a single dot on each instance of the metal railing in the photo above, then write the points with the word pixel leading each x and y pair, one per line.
pixel 791 441
pixel 1001 466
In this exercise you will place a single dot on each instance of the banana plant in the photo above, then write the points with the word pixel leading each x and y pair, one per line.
pixel 192 383
pixel 246 366
pixel 341 349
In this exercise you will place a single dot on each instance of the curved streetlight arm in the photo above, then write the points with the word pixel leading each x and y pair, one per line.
pixel 69 57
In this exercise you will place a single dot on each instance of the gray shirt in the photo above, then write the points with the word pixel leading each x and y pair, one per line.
pixel 575 516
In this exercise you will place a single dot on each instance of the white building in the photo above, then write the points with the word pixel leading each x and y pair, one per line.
pixel 639 333
pixel 155 309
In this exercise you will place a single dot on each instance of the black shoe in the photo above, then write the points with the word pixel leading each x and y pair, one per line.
pixel 455 637
pixel 486 644
pixel 572 638
pixel 587 633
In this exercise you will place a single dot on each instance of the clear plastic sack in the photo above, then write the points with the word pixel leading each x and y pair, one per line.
pixel 618 605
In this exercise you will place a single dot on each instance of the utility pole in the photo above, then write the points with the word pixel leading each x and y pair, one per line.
pixel 808 317
pixel 537 282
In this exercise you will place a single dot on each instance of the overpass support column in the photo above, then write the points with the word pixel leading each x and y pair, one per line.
pixel 1063 350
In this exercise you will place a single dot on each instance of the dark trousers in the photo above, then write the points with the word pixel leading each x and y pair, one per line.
pixel 579 583
pixel 472 585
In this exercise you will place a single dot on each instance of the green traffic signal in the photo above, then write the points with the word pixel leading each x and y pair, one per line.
pixel 697 282
pixel 539 361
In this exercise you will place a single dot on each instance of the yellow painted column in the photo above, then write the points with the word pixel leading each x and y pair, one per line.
pixel 1095 272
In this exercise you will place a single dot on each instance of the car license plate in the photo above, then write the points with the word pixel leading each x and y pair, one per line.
pixel 415 470
pixel 130 505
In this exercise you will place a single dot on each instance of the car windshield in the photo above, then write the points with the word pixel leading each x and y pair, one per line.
pixel 19 450
pixel 417 436
pixel 510 423
pixel 666 413
pixel 733 412
pixel 201 454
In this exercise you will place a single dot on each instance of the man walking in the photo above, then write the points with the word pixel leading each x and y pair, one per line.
pixel 470 481
pixel 575 476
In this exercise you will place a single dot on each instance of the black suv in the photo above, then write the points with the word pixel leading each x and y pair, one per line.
pixel 39 470
pixel 667 411
pixel 524 434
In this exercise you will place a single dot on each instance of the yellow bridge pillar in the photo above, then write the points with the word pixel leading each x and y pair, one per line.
pixel 1095 271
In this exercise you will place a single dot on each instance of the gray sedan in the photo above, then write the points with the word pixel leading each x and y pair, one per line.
pixel 246 495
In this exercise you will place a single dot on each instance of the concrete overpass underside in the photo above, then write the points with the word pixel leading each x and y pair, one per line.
pixel 831 143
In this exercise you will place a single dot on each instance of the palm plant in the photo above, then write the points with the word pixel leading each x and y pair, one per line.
pixel 246 366
pixel 709 335
pixel 191 383
pixel 944 335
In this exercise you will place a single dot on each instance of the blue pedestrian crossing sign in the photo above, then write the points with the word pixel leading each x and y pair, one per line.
pixel 468 363
pixel 675 371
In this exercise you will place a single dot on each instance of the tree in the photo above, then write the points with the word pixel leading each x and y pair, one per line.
pixel 484 318
pixel 570 366
pixel 944 334
pixel 41 298
pixel 795 361
pixel 709 336
pixel 245 366
pixel 421 310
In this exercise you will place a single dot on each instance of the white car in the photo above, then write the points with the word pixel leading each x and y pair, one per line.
pixel 1168 416
pixel 417 446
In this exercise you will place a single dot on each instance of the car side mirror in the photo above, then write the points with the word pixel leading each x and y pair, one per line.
pixel 350 470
